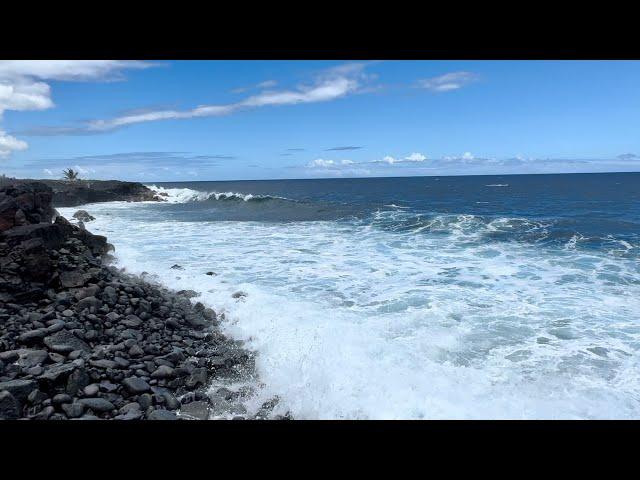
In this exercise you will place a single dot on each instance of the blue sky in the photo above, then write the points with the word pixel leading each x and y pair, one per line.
pixel 224 120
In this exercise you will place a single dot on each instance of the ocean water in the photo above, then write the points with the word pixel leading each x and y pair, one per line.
pixel 411 298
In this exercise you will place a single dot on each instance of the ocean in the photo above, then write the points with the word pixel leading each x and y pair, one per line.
pixel 411 298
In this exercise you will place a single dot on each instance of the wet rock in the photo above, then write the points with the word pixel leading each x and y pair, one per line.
pixel 9 406
pixel 162 371
pixel 91 390
pixel 177 267
pixel 99 405
pixel 19 389
pixel 198 410
pixel 83 216
pixel 135 385
pixel 73 410
pixel 162 415
pixel 239 294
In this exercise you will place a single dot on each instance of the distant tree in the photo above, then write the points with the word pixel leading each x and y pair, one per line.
pixel 70 174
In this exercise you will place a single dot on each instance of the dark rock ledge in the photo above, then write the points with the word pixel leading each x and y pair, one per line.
pixel 79 192
pixel 82 340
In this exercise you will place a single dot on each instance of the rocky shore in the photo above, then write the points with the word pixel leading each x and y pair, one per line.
pixel 78 192
pixel 80 339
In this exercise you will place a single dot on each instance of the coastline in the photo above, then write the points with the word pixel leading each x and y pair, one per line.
pixel 81 339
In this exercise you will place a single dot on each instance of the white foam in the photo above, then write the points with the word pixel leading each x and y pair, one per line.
pixel 355 321
pixel 185 195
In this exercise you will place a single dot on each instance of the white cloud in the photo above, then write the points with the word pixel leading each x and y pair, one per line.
pixel 415 157
pixel 467 156
pixel 9 144
pixel 448 81
pixel 47 171
pixel 330 84
pixel 22 87
pixel 322 163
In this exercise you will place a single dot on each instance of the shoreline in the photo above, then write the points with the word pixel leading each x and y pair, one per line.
pixel 82 339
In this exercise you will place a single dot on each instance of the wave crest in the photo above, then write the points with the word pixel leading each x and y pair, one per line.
pixel 187 195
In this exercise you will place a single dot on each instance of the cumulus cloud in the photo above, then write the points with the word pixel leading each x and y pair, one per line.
pixel 322 163
pixel 415 157
pixel 9 144
pixel 391 160
pixel 448 81
pixel 23 85
pixel 330 84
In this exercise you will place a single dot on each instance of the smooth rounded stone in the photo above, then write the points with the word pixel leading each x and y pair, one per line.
pixel 73 410
pixel 67 313
pixel 162 372
pixel 35 316
pixel 75 355
pixel 61 398
pixel 99 405
pixel 162 415
pixel 130 415
pixel 33 336
pixel 112 316
pixel 55 326
pixel 35 371
pixel 9 406
pixel 91 390
pixel 196 410
pixel 10 356
pixel 132 406
pixel 103 364
pixel 88 302
pixel 135 385
pixel 20 389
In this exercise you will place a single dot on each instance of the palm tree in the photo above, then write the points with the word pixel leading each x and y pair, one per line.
pixel 70 174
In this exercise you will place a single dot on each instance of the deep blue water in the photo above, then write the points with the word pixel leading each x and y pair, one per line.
pixel 595 207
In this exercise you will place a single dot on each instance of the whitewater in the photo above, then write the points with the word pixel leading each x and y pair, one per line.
pixel 392 310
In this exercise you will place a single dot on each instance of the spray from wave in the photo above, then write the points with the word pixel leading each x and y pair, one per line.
pixel 187 195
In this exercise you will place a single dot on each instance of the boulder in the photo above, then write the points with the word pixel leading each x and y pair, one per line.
pixel 20 389
pixel 83 216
